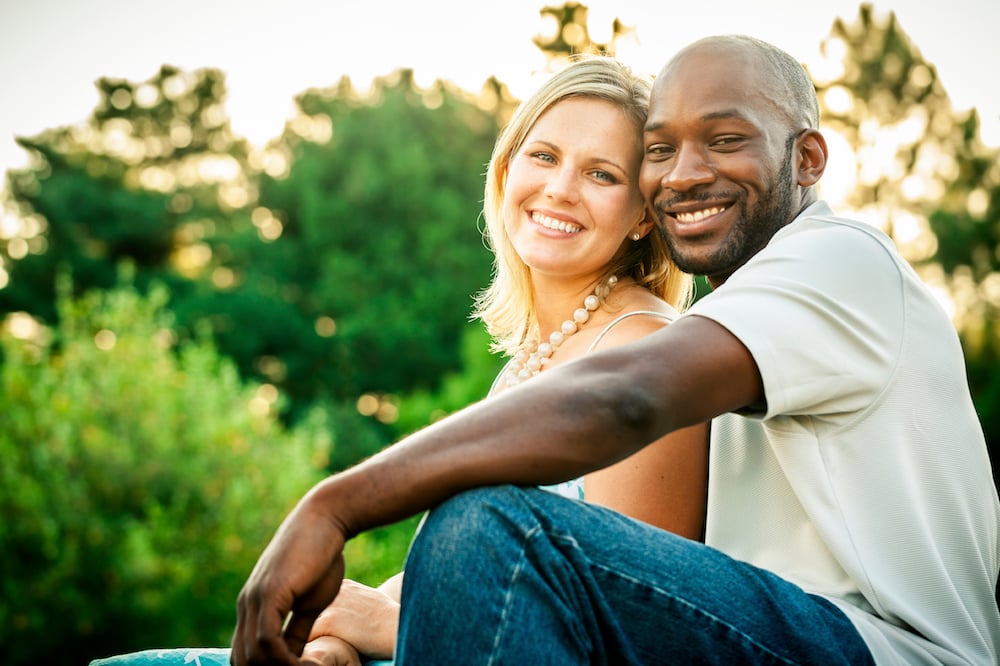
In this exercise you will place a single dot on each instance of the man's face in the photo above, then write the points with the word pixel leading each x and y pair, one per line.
pixel 718 167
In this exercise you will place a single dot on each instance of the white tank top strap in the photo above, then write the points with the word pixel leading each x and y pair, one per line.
pixel 666 316
pixel 500 375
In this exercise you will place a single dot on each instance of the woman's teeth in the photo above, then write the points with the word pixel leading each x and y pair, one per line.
pixel 552 223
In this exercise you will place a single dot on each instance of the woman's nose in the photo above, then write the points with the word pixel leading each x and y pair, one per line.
pixel 563 185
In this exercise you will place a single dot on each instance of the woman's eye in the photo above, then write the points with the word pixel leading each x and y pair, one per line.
pixel 605 176
pixel 545 157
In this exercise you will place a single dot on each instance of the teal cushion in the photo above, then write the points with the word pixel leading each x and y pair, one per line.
pixel 182 657
pixel 175 657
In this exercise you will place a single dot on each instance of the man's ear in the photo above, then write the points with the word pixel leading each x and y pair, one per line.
pixel 810 147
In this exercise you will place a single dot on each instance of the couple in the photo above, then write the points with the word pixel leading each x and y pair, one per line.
pixel 851 515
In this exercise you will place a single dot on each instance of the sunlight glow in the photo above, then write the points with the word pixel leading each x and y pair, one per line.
pixel 218 169
pixel 273 161
pixel 830 65
pixel 839 179
pixel 105 340
pixel 22 326
pixel 17 248
pixel 223 277
pixel 326 327
pixel 10 225
pixel 147 96
pixel 367 404
pixel 600 23
pixel 191 259
pixel 269 227
pixel 157 178
pixel 838 100
pixel 317 128
pixel 271 367
pixel 978 202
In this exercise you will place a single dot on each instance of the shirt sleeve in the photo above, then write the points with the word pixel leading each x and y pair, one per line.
pixel 821 311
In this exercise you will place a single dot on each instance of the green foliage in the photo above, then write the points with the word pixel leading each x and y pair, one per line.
pixel 135 183
pixel 139 484
pixel 457 389
pixel 370 229
pixel 573 33
pixel 380 232
pixel 376 555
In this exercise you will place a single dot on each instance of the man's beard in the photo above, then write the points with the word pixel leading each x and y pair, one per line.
pixel 752 231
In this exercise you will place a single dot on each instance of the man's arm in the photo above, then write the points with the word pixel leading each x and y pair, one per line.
pixel 564 423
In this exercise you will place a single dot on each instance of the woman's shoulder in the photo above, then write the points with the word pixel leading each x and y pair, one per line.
pixel 633 324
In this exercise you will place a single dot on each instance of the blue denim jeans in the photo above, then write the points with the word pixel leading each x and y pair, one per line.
pixel 510 575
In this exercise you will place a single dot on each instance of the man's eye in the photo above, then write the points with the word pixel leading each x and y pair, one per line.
pixel 726 141
pixel 660 150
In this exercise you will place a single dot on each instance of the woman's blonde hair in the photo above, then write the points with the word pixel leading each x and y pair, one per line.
pixel 506 306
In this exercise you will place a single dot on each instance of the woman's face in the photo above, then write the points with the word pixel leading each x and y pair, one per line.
pixel 572 197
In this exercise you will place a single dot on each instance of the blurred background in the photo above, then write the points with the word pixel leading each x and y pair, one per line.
pixel 210 299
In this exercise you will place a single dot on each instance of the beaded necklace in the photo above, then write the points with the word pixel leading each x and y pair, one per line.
pixel 527 361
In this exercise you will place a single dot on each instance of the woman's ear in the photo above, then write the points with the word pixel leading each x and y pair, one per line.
pixel 811 150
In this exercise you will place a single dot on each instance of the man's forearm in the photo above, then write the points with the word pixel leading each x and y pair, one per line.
pixel 560 426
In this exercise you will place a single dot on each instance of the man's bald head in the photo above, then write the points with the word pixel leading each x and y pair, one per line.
pixel 788 84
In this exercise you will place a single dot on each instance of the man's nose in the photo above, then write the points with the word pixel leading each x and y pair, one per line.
pixel 689 168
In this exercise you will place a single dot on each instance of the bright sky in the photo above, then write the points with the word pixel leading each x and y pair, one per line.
pixel 52 51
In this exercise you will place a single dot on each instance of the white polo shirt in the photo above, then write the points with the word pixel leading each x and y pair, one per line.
pixel 866 477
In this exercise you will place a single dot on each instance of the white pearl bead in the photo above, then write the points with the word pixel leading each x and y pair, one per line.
pixel 527 361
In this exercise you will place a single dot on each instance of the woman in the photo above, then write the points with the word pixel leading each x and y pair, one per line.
pixel 578 266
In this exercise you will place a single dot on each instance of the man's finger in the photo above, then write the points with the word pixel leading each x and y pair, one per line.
pixel 296 632
pixel 257 639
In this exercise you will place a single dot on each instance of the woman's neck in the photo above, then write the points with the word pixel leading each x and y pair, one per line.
pixel 557 298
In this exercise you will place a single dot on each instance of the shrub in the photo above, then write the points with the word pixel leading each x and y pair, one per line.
pixel 138 482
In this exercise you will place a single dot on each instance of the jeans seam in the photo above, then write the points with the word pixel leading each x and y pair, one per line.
pixel 509 597
pixel 680 600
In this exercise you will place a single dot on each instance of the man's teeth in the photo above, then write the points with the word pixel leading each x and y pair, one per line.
pixel 553 223
pixel 698 215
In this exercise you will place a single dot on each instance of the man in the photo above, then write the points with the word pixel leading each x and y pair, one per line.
pixel 852 516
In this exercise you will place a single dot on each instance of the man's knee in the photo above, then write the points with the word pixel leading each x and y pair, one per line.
pixel 469 517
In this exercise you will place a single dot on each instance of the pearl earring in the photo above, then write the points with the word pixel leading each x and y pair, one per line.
pixel 636 236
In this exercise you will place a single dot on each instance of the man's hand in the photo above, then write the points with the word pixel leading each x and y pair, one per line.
pixel 300 572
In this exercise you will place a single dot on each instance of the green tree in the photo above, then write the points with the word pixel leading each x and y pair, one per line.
pixel 571 33
pixel 353 272
pixel 923 172
pixel 380 247
pixel 139 482
pixel 152 173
